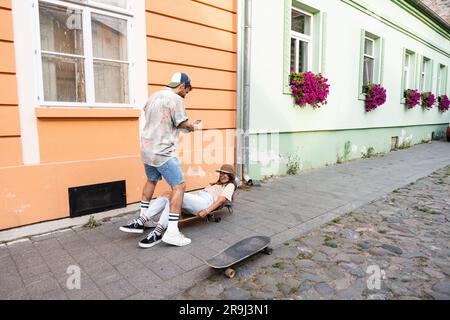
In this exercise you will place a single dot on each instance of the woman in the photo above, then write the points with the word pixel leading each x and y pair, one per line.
pixel 201 203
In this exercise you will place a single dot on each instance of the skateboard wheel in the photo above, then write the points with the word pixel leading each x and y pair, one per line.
pixel 230 273
pixel 217 220
pixel 268 251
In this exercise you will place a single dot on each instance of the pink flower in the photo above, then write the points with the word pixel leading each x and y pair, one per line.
pixel 428 100
pixel 412 98
pixel 444 103
pixel 375 96
pixel 308 88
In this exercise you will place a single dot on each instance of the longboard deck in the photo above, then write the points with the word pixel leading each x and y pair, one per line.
pixel 238 252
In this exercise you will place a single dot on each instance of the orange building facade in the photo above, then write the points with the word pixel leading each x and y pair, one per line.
pixel 74 77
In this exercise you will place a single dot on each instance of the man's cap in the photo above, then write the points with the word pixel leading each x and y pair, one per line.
pixel 179 78
pixel 227 168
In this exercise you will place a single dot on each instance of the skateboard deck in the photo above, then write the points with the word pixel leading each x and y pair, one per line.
pixel 238 252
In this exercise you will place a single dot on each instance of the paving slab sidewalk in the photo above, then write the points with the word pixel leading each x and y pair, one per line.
pixel 112 266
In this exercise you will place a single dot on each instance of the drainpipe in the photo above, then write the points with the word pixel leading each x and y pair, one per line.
pixel 243 94
pixel 239 118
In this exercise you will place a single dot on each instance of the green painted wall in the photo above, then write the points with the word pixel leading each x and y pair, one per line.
pixel 270 153
pixel 344 118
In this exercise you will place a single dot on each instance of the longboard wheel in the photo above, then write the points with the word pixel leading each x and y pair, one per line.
pixel 267 251
pixel 230 273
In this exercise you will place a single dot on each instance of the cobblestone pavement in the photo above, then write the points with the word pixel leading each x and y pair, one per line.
pixel 397 247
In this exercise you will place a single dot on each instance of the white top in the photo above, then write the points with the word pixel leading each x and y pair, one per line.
pixel 164 112
pixel 218 190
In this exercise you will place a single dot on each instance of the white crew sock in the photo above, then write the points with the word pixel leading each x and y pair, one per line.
pixel 173 223
pixel 144 207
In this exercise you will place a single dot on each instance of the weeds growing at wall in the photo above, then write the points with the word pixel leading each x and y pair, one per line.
pixel 293 164
pixel 369 153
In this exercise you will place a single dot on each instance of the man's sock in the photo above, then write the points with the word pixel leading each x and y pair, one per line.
pixel 173 223
pixel 144 207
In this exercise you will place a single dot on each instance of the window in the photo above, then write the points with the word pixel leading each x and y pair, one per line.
pixel 371 60
pixel 408 77
pixel 407 70
pixel 106 3
pixel 442 80
pixel 84 52
pixel 425 75
pixel 300 40
pixel 117 3
pixel 304 41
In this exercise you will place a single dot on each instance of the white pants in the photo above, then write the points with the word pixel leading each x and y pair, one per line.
pixel 192 203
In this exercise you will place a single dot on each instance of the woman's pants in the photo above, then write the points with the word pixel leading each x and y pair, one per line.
pixel 192 203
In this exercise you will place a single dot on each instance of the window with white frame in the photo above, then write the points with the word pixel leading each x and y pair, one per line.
pixel 301 40
pixel 408 70
pixel 425 75
pixel 84 51
pixel 442 80
pixel 371 61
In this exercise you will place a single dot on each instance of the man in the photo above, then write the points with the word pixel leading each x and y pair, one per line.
pixel 165 115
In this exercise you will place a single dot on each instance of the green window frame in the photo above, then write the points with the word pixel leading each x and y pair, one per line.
pixel 377 54
pixel 317 42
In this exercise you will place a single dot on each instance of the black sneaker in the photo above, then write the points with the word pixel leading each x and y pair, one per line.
pixel 152 239
pixel 133 227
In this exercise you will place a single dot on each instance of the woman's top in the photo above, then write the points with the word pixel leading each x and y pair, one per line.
pixel 218 190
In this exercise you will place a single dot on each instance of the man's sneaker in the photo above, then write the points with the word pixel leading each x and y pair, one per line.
pixel 133 227
pixel 152 239
pixel 176 239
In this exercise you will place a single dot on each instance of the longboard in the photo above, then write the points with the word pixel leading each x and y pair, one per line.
pixel 238 252
pixel 212 217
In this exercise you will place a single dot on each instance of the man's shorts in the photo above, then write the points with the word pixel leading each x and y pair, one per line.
pixel 170 170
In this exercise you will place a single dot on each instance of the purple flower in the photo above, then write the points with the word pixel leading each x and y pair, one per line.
pixel 308 88
pixel 375 96
pixel 443 103
pixel 412 98
pixel 428 100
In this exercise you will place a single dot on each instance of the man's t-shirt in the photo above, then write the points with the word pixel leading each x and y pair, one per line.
pixel 218 190
pixel 164 112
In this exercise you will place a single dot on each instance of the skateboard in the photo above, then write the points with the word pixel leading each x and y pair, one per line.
pixel 238 252
pixel 212 217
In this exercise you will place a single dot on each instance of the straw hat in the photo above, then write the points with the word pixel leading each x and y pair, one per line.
pixel 228 168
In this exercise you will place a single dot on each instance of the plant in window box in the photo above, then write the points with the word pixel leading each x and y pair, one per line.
pixel 375 96
pixel 412 98
pixel 428 100
pixel 308 88
pixel 443 103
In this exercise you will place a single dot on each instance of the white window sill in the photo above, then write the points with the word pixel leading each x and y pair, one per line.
pixel 50 112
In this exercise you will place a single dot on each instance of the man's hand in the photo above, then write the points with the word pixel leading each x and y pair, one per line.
pixel 186 125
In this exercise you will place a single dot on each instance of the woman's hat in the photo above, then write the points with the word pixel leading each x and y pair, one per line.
pixel 227 168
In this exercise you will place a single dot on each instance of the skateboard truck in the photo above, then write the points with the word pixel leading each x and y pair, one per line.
pixel 212 217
